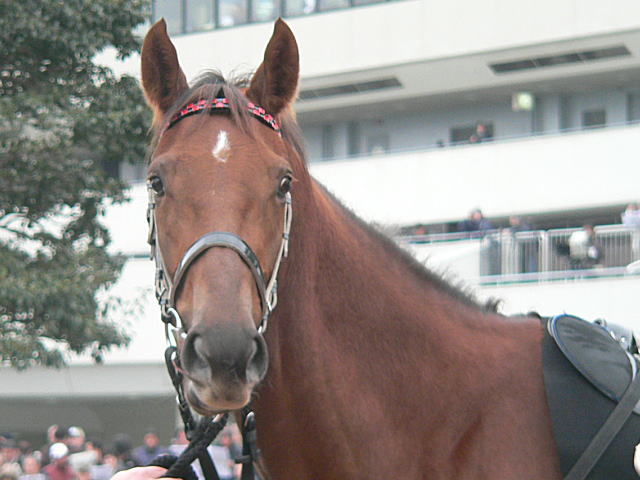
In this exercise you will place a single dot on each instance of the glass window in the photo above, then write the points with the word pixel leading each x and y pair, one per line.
pixel 327 142
pixel 171 11
pixel 480 132
pixel 232 12
pixel 354 138
pixel 377 144
pixel 265 10
pixel 299 7
pixel 633 107
pixel 324 5
pixel 594 118
pixel 199 15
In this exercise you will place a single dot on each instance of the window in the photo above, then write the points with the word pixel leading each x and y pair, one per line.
pixel 264 10
pixel 353 138
pixel 594 118
pixel 172 12
pixel 199 15
pixel 324 5
pixel 476 133
pixel 183 16
pixel 299 7
pixel 327 142
pixel 633 107
pixel 232 12
pixel 377 144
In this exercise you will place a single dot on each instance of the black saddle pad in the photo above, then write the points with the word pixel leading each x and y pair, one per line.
pixel 595 353
pixel 586 371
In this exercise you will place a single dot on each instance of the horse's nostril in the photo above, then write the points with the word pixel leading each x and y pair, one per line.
pixel 199 361
pixel 258 361
pixel 194 358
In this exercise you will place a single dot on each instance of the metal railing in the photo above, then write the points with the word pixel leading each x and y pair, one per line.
pixel 537 254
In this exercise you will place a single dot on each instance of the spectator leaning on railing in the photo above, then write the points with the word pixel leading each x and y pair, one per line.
pixel 475 222
pixel 631 218
pixel 584 249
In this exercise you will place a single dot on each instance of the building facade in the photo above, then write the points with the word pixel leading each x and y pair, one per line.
pixel 414 112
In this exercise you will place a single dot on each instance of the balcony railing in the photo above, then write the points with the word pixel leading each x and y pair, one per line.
pixel 507 256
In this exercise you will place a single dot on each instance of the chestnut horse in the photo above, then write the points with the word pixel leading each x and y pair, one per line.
pixel 377 368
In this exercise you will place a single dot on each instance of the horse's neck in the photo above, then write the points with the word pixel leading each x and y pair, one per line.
pixel 351 280
pixel 362 344
pixel 355 330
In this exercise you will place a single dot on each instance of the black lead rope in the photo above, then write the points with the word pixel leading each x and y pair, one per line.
pixel 250 452
pixel 206 432
pixel 201 435
pixel 170 356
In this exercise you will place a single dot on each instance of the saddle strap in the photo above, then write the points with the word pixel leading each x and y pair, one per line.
pixel 607 432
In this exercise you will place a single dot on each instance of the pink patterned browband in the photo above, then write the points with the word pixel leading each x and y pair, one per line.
pixel 223 104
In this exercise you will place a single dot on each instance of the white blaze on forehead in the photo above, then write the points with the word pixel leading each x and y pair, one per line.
pixel 222 147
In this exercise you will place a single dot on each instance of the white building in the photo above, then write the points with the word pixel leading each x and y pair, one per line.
pixel 390 93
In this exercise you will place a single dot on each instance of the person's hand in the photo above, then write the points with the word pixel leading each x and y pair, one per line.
pixel 141 473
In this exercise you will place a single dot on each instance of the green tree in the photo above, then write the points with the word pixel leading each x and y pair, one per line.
pixel 64 122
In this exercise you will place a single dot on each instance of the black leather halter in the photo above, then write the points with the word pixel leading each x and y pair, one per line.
pixel 235 243
pixel 167 288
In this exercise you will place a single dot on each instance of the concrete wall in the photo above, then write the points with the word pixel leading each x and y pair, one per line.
pixel 425 129
pixel 406 31
pixel 540 174
pixel 611 299
pixel 103 399
pixel 101 417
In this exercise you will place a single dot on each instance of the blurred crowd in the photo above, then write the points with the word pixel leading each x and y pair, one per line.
pixel 69 455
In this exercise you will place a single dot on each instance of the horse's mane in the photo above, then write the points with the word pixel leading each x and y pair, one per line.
pixel 457 290
pixel 212 84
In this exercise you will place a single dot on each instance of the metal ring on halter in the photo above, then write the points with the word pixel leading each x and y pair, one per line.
pixel 263 324
pixel 172 312
pixel 171 330
pixel 249 419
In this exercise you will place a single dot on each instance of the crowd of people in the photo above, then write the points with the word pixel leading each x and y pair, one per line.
pixel 69 455
pixel 580 250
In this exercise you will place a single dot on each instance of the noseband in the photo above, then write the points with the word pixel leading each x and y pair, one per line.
pixel 167 287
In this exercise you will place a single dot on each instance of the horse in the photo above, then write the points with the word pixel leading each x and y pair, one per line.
pixel 371 365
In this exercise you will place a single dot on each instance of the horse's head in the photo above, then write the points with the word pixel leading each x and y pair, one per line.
pixel 219 179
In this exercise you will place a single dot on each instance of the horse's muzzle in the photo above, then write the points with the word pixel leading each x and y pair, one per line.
pixel 223 363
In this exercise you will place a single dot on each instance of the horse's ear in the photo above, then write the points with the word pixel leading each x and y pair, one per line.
pixel 275 84
pixel 162 78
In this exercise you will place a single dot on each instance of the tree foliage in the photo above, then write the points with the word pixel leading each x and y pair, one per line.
pixel 64 120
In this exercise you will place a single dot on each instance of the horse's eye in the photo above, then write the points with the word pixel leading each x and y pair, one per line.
pixel 155 184
pixel 285 185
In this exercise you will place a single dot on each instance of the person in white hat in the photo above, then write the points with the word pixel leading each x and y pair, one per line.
pixel 59 468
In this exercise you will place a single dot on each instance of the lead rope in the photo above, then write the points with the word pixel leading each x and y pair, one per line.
pixel 250 451
pixel 199 435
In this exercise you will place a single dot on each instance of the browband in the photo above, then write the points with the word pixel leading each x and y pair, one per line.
pixel 222 104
